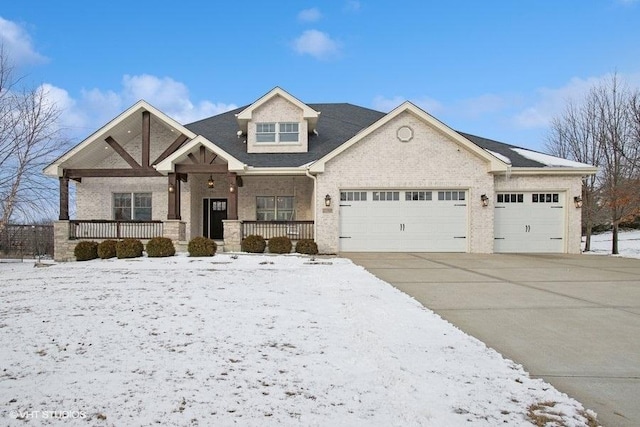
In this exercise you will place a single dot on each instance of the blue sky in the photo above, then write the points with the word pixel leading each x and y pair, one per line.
pixel 498 69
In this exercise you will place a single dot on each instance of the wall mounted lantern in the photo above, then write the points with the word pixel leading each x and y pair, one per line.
pixel 210 182
pixel 578 202
pixel 327 200
pixel 172 188
pixel 232 188
pixel 485 200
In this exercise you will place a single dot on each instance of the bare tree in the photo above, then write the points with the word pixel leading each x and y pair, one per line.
pixel 29 140
pixel 603 129
pixel 620 152
pixel 573 136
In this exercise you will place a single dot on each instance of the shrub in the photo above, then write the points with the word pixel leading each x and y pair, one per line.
pixel 254 244
pixel 107 249
pixel 85 251
pixel 160 247
pixel 280 245
pixel 129 248
pixel 307 247
pixel 202 246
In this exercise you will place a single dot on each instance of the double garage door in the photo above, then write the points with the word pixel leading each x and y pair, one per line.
pixel 403 221
pixel 437 221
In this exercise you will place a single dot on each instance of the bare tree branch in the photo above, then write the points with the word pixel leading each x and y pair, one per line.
pixel 29 140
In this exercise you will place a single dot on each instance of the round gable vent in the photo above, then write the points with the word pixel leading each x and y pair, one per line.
pixel 405 133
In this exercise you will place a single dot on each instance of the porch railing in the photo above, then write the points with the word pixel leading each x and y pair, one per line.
pixel 106 229
pixel 295 230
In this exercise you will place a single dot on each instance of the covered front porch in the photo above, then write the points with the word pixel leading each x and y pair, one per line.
pixel 217 204
pixel 145 176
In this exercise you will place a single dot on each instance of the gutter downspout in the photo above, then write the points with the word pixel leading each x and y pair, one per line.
pixel 315 196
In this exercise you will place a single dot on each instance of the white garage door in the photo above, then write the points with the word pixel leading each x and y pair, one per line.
pixel 529 222
pixel 403 221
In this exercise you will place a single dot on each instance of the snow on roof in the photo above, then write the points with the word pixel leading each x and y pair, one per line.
pixel 500 156
pixel 549 160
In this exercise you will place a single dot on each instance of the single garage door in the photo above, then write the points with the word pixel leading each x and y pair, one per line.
pixel 529 222
pixel 403 221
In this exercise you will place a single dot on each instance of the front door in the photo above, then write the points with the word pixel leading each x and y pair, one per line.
pixel 213 212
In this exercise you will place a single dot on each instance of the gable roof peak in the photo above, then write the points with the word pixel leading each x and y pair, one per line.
pixel 308 113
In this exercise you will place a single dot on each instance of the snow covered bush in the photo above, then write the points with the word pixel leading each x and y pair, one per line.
pixel 129 248
pixel 307 247
pixel 280 245
pixel 201 246
pixel 160 247
pixel 85 251
pixel 254 244
pixel 107 249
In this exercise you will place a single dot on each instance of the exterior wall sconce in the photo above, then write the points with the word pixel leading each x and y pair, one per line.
pixel 327 200
pixel 232 188
pixel 578 202
pixel 172 188
pixel 211 183
pixel 485 200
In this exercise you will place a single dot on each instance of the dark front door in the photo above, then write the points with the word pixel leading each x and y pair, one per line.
pixel 213 212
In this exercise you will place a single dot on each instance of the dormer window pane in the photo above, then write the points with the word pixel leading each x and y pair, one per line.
pixel 265 132
pixel 288 132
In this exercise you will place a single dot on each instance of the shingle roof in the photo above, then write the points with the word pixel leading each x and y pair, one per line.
pixel 337 124
pixel 517 160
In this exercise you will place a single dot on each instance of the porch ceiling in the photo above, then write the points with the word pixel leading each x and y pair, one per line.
pixel 126 130
pixel 127 133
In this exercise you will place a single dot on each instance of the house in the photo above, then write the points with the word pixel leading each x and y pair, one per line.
pixel 351 178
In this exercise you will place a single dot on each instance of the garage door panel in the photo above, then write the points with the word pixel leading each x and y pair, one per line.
pixel 529 222
pixel 404 221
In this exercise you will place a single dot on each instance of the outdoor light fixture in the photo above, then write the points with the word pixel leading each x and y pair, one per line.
pixel 232 188
pixel 211 183
pixel 578 201
pixel 327 200
pixel 485 200
pixel 171 188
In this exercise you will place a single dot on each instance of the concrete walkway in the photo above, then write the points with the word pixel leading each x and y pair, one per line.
pixel 572 320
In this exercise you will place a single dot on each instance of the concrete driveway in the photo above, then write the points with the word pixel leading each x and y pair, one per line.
pixel 573 320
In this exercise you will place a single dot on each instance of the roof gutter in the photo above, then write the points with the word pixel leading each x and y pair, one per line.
pixel 549 171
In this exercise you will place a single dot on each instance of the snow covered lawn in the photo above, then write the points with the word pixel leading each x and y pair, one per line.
pixel 628 243
pixel 246 340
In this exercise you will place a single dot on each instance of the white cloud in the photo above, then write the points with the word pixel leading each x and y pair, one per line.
pixel 309 15
pixel 17 44
pixel 550 102
pixel 317 44
pixel 94 107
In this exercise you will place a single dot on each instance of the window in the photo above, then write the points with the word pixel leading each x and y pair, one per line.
pixel 386 195
pixel 451 195
pixel 128 206
pixel 417 195
pixel 265 132
pixel 510 198
pixel 272 208
pixel 545 198
pixel 348 196
pixel 286 132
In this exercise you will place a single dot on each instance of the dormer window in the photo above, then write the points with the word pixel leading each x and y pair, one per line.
pixel 286 132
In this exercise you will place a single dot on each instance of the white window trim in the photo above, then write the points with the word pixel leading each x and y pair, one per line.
pixel 133 204
pixel 277 132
